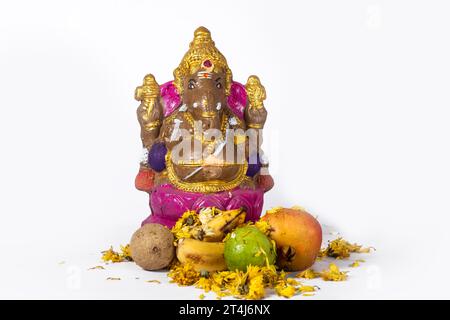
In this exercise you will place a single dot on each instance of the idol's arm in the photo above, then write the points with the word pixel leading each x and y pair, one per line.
pixel 150 115
pixel 150 122
pixel 255 118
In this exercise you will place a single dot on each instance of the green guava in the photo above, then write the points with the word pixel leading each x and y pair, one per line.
pixel 248 246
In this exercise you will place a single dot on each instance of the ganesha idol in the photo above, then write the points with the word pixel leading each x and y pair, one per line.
pixel 201 135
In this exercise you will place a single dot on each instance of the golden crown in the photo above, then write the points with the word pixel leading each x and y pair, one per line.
pixel 201 49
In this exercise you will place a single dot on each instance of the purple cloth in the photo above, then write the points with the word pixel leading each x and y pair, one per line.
pixel 237 100
pixel 157 157
pixel 168 203
pixel 254 165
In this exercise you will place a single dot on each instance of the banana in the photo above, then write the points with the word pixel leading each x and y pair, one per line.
pixel 203 256
pixel 215 227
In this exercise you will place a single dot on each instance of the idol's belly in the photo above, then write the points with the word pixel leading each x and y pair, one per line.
pixel 202 176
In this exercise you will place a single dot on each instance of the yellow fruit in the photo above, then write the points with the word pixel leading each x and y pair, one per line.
pixel 203 256
pixel 298 236
pixel 215 227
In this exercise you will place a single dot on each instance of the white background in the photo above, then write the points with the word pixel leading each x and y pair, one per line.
pixel 358 132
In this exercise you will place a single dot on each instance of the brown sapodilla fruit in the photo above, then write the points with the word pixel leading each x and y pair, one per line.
pixel 152 247
pixel 298 236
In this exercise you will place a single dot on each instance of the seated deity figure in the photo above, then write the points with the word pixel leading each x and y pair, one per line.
pixel 201 135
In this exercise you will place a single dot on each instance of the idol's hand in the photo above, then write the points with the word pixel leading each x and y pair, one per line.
pixel 255 118
pixel 149 112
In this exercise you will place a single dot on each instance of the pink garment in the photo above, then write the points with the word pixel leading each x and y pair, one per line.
pixel 237 100
pixel 170 98
pixel 168 203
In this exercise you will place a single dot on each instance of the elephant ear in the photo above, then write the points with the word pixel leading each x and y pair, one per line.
pixel 237 100
pixel 170 98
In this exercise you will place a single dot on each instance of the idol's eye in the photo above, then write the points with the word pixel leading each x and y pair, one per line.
pixel 191 84
pixel 218 84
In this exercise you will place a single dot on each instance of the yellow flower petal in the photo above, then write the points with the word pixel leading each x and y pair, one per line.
pixel 308 274
pixel 304 289
pixel 285 291
pixel 333 273
pixel 341 249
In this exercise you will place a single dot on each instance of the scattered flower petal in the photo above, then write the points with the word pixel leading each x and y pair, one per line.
pixel 112 256
pixel 153 281
pixel 97 268
pixel 333 273
pixel 341 249
pixel 308 274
